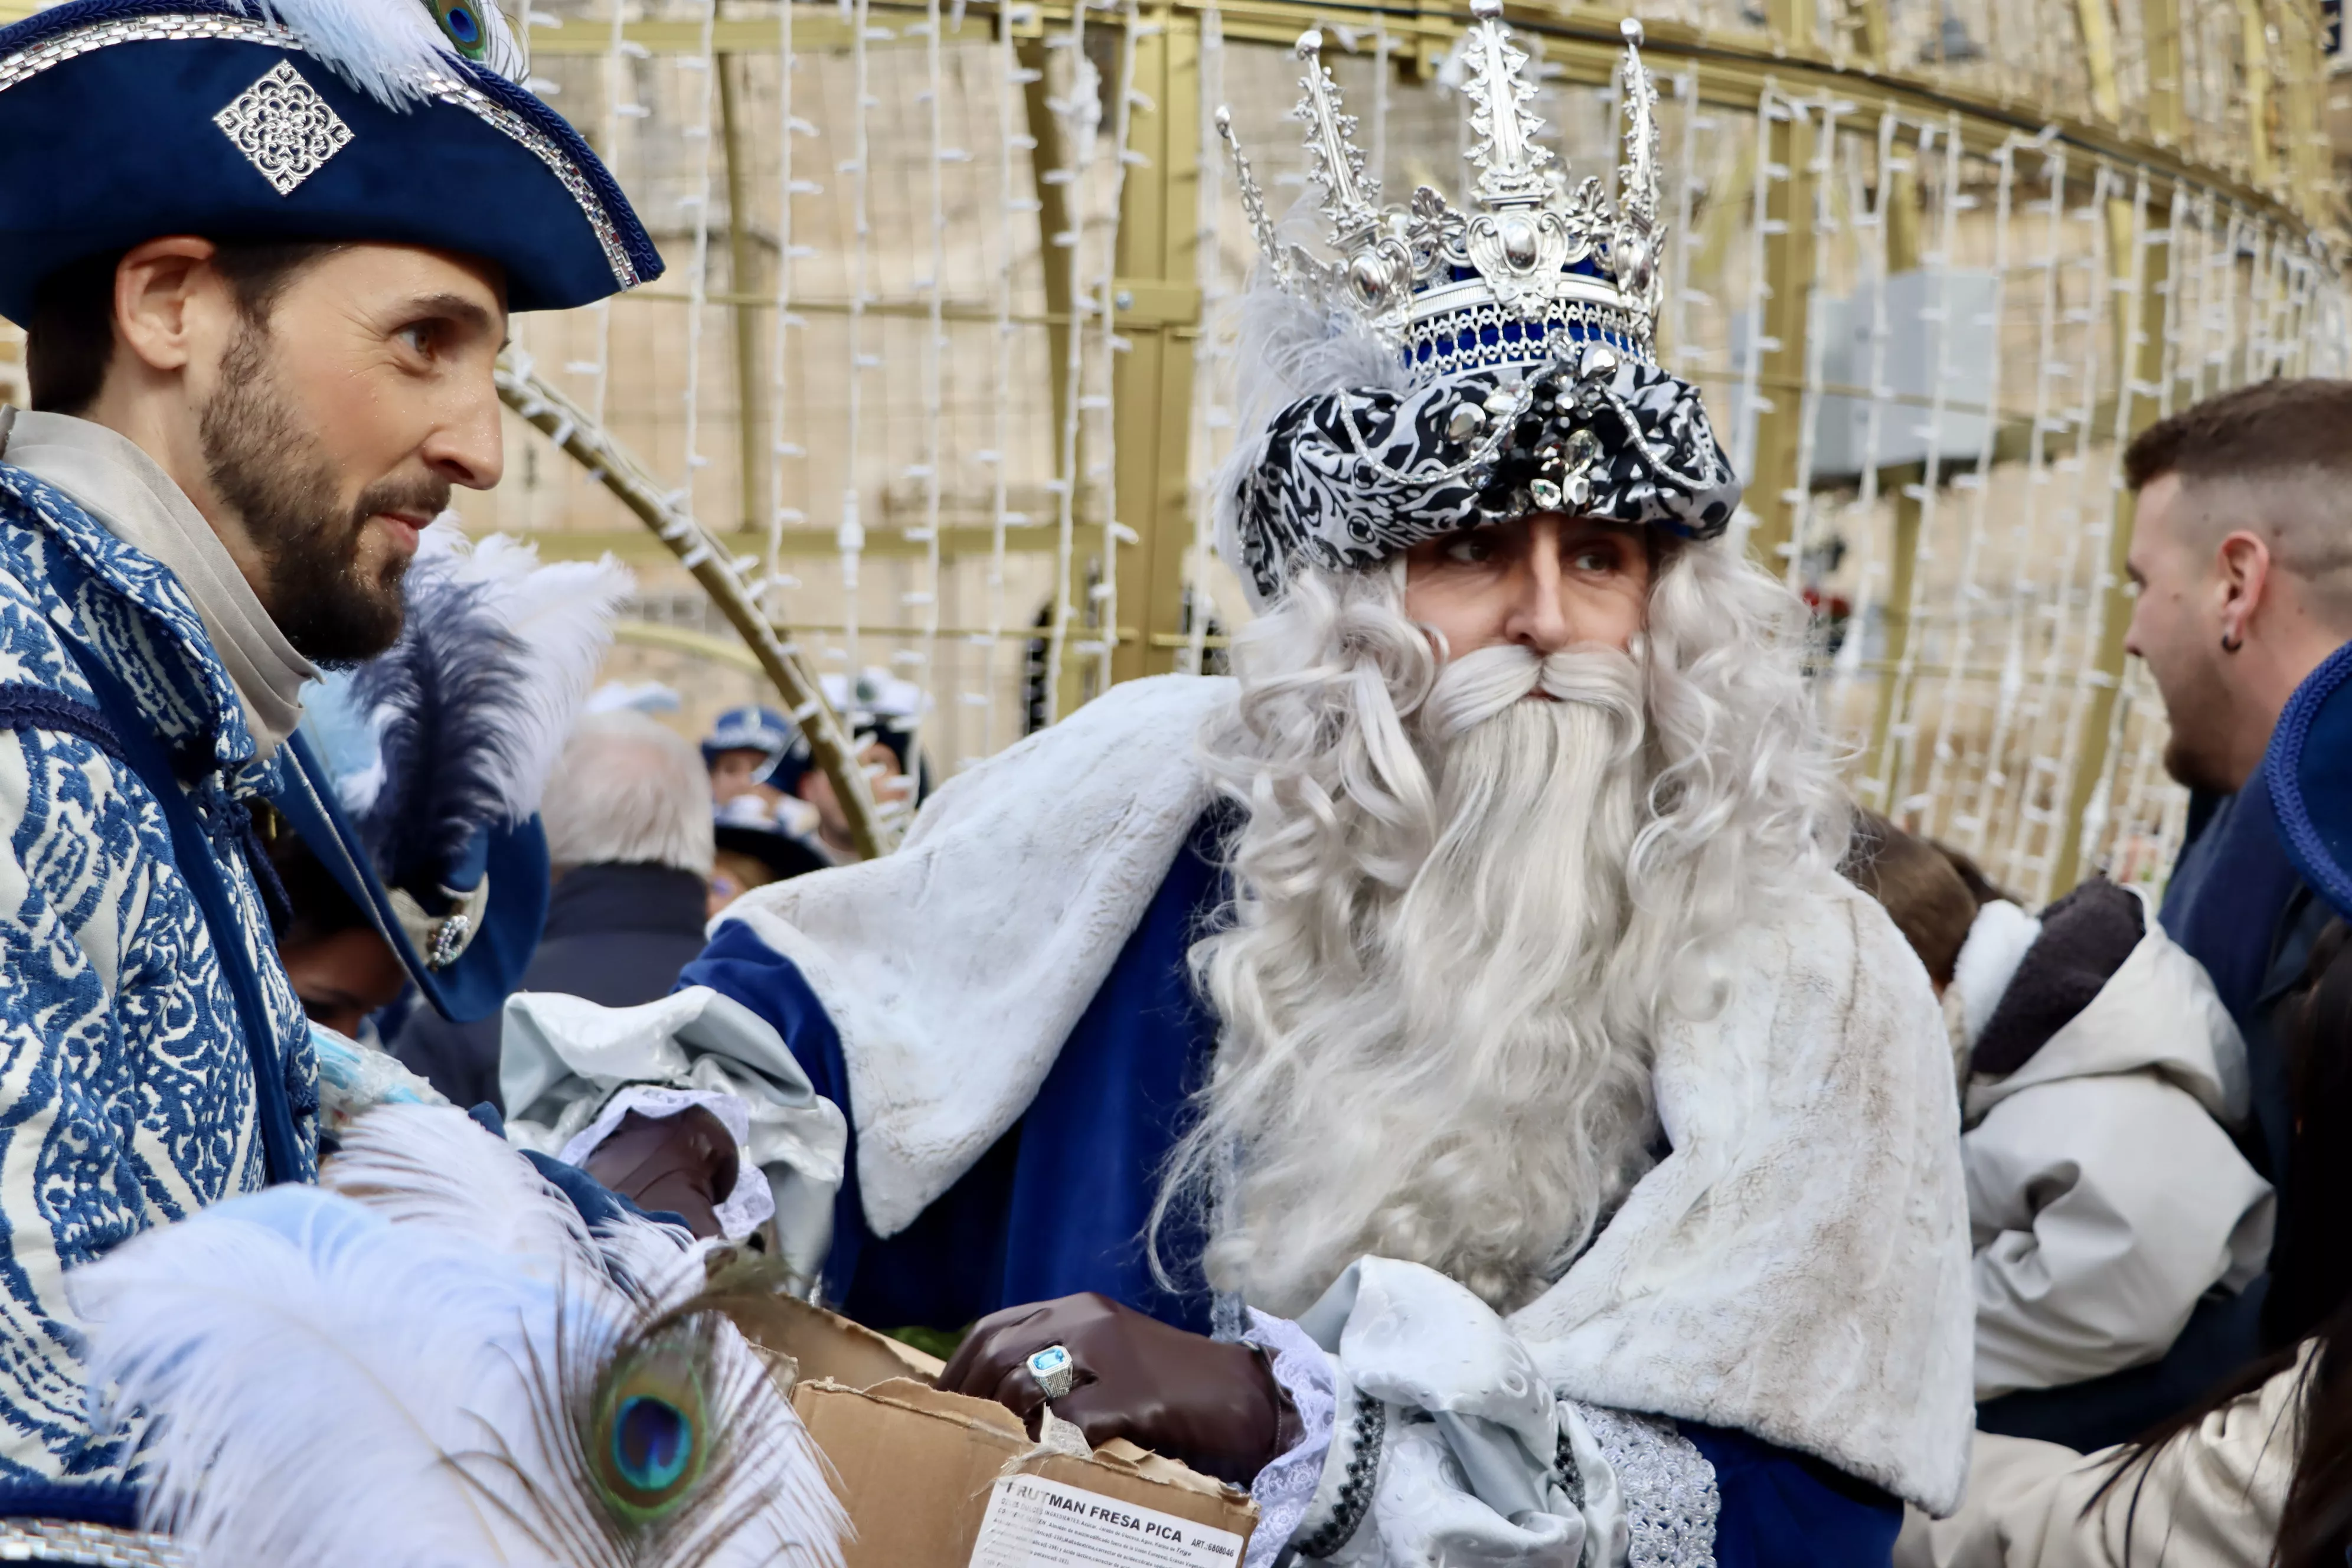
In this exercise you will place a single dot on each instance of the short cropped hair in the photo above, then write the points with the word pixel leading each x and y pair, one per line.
pixel 628 791
pixel 2258 431
pixel 2273 458
pixel 70 341
pixel 1918 885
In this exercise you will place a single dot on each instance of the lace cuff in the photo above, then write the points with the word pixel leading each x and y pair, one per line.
pixel 1287 1486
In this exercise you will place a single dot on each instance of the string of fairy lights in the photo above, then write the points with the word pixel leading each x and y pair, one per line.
pixel 936 509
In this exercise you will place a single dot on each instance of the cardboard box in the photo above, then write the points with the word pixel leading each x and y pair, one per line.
pixel 933 1479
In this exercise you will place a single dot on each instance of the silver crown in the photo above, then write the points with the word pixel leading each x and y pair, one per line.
pixel 1534 267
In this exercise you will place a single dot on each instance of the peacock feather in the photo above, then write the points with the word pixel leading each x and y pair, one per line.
pixel 429 1361
pixel 462 24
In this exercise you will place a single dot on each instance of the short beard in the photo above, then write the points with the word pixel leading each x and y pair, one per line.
pixel 2192 771
pixel 268 464
pixel 1433 1071
pixel 2197 704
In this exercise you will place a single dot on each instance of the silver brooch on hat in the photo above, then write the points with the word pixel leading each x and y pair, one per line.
pixel 283 126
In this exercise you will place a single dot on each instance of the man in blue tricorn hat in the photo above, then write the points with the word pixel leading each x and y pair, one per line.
pixel 265 255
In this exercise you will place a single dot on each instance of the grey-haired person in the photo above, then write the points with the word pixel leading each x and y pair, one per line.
pixel 1436 1076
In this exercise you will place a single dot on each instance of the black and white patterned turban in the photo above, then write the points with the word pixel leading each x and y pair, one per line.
pixel 1349 479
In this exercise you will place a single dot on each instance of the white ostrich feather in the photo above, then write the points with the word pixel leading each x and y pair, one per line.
pixel 387 48
pixel 432 1165
pixel 308 1369
pixel 403 1370
pixel 436 1167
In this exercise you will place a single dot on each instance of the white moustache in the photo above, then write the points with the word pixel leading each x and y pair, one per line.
pixel 1477 687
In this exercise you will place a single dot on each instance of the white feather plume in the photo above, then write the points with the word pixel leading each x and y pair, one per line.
pixel 387 48
pixel 436 1167
pixel 383 1373
pixel 1285 347
pixel 308 1369
pixel 343 736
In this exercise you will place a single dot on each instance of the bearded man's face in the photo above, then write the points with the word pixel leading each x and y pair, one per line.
pixel 1430 1049
pixel 336 427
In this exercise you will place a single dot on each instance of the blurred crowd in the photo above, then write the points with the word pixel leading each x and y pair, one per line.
pixel 2153 1091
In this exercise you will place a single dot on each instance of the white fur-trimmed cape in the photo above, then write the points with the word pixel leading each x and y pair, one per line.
pixel 1798 1267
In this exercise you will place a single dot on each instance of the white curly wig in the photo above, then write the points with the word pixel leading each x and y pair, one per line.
pixel 1459 919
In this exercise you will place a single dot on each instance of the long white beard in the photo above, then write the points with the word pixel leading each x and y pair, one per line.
pixel 1439 1065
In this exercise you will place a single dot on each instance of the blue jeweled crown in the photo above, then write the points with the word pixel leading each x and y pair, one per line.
pixel 1536 267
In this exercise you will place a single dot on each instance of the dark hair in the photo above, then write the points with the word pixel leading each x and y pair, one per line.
pixel 2311 1277
pixel 2311 1269
pixel 1915 879
pixel 318 906
pixel 2268 427
pixel 1981 888
pixel 70 343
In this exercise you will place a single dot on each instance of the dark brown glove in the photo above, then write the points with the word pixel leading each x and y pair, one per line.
pixel 686 1163
pixel 1214 1407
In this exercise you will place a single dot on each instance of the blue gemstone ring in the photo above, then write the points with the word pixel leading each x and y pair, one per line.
pixel 1055 1369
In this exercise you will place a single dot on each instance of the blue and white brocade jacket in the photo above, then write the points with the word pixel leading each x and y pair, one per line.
pixel 126 1090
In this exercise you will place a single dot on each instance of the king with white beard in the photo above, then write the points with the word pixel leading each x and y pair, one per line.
pixel 1433 1077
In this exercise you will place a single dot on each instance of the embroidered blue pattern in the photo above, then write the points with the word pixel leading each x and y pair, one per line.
pixel 126 1090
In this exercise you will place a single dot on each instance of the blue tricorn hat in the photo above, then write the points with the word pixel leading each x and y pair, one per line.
pixel 415 777
pixel 511 857
pixel 2309 769
pixel 389 121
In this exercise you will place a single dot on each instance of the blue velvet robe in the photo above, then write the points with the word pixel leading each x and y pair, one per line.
pixel 1059 1205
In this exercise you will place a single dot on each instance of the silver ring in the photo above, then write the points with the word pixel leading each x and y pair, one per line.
pixel 1055 1369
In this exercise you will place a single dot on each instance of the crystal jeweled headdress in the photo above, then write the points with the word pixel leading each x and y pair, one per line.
pixel 1533 262
pixel 1525 377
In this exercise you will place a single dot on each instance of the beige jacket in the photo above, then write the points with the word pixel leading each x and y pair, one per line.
pixel 2210 1499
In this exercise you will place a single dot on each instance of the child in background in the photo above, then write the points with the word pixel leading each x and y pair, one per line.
pixel 1920 886
pixel 1931 901
pixel 2099 1078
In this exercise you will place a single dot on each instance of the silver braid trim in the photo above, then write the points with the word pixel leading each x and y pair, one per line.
pixel 99 1545
pixel 1671 1501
